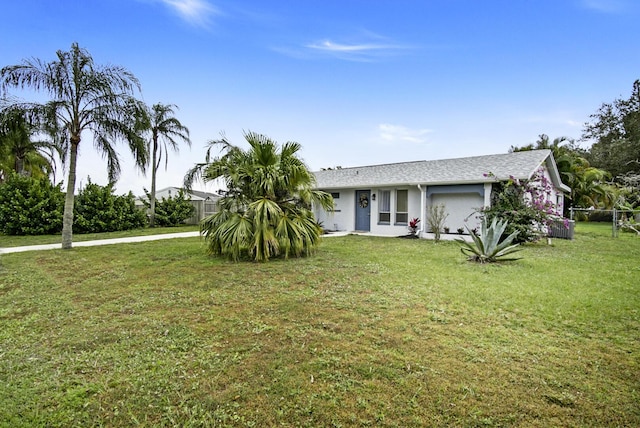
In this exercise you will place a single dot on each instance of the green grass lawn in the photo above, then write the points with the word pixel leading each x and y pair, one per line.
pixel 367 332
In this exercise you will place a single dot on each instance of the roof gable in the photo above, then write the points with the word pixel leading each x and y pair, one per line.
pixel 467 170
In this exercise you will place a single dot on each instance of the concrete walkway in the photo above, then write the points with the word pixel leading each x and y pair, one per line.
pixel 100 242
pixel 117 241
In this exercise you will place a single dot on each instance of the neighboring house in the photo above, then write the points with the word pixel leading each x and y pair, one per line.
pixel 382 199
pixel 205 203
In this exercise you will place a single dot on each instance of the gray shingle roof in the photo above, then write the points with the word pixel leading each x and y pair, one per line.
pixel 204 195
pixel 194 195
pixel 468 170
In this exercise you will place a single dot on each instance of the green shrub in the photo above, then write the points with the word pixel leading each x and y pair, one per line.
pixel 97 209
pixel 173 210
pixel 523 205
pixel 30 206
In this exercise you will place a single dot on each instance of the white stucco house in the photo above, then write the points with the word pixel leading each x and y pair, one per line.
pixel 382 199
pixel 205 203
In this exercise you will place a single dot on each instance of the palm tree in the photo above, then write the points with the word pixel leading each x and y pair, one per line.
pixel 590 188
pixel 266 211
pixel 19 151
pixel 587 183
pixel 85 97
pixel 164 131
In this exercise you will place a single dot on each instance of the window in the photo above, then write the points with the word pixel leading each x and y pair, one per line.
pixel 402 206
pixel 384 206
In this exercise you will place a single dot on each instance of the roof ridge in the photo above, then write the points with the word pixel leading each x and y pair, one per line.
pixel 519 153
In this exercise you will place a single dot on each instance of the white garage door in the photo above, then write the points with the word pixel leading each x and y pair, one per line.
pixel 460 206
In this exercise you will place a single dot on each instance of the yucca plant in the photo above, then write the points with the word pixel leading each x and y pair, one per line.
pixel 486 246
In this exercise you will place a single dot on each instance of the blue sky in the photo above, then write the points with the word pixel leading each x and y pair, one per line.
pixel 356 82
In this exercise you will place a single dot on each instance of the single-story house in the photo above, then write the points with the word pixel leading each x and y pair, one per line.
pixel 382 199
pixel 205 203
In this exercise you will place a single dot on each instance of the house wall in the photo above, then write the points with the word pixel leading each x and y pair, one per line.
pixel 343 215
pixel 556 196
pixel 393 228
pixel 462 203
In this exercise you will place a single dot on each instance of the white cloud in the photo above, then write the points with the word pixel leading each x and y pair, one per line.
pixel 352 51
pixel 607 6
pixel 195 12
pixel 329 46
pixel 396 133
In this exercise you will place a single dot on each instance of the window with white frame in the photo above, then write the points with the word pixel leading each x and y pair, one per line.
pixel 384 206
pixel 402 206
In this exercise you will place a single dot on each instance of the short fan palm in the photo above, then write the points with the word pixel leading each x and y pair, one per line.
pixel 266 210
pixel 487 246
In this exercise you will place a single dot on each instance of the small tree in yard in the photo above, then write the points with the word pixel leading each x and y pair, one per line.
pixel 266 211
pixel 523 205
pixel 437 216
pixel 171 211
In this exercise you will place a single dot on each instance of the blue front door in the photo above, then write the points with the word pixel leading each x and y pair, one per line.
pixel 363 210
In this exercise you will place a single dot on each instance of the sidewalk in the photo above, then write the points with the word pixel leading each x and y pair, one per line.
pixel 100 242
pixel 129 239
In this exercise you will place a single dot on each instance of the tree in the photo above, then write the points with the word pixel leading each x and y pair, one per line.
pixel 523 205
pixel 163 131
pixel 587 183
pixel 173 210
pixel 266 211
pixel 19 151
pixel 85 97
pixel 615 130
pixel 97 209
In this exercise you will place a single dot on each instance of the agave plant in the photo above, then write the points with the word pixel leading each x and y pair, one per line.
pixel 486 246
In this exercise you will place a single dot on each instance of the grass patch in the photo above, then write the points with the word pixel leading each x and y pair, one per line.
pixel 18 241
pixel 368 332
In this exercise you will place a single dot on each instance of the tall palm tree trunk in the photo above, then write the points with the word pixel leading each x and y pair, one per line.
pixel 152 195
pixel 67 218
pixel 20 165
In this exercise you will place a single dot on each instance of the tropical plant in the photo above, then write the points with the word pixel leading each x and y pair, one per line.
pixel 85 97
pixel 436 218
pixel 20 151
pixel 30 206
pixel 171 211
pixel 585 181
pixel 413 225
pixel 524 205
pixel 163 131
pixel 266 210
pixel 488 246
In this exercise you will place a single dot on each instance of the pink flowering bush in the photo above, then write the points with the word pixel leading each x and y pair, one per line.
pixel 524 205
